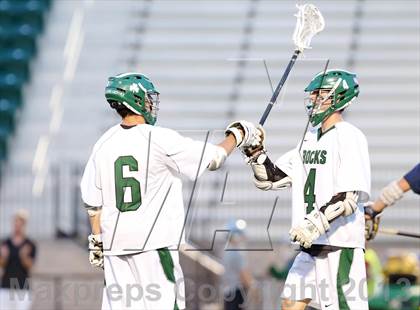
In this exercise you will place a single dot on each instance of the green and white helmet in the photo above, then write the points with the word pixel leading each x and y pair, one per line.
pixel 136 92
pixel 343 86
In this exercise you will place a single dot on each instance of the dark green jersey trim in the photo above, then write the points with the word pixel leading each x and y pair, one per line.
pixel 321 134
pixel 168 267
pixel 346 260
pixel 127 126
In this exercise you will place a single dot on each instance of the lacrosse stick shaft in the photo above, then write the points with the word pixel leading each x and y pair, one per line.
pixel 279 87
pixel 390 231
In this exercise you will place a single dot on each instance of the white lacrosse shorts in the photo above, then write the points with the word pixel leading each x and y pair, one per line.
pixel 334 281
pixel 151 280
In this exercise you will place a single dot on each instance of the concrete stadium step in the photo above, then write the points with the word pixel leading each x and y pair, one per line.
pixel 63 268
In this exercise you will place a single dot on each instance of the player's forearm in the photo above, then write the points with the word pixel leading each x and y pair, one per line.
pixel 229 144
pixel 222 151
pixel 95 223
pixel 3 262
pixel 378 206
pixel 238 134
pixel 94 219
pixel 390 194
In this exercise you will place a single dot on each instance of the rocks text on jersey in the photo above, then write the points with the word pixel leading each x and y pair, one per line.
pixel 314 157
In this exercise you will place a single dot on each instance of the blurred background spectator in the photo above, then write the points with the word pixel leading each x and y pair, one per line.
pixel 401 289
pixel 238 282
pixel 17 257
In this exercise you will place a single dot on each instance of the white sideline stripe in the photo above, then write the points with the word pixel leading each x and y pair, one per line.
pixel 56 118
pixel 40 153
pixel 56 95
pixel 39 182
pixel 73 60
pixel 74 31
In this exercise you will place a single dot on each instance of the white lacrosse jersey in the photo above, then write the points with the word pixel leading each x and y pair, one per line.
pixel 134 175
pixel 330 163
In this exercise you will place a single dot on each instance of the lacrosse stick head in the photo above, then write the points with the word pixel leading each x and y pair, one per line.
pixel 309 22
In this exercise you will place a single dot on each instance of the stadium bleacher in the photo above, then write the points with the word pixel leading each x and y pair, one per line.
pixel 21 22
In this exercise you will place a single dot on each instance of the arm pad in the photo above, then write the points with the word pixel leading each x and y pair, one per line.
pixel 391 193
pixel 267 175
pixel 341 204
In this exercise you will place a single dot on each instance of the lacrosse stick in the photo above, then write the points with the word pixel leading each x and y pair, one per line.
pixel 309 23
pixel 389 231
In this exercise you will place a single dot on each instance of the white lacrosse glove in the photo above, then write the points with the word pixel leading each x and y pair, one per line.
pixel 253 151
pixel 266 175
pixel 391 193
pixel 372 220
pixel 314 225
pixel 96 252
pixel 246 133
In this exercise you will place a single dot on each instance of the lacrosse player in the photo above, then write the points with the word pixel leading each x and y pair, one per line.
pixel 132 190
pixel 329 173
pixel 390 194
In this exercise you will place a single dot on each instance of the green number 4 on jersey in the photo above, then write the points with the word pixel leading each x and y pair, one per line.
pixel 308 190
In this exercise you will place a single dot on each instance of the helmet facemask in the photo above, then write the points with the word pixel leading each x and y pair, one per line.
pixel 315 107
pixel 151 102
pixel 320 107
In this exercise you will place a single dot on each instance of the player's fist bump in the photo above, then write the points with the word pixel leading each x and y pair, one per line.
pixel 246 133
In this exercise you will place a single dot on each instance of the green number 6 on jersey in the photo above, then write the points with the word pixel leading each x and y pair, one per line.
pixel 122 183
